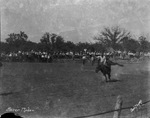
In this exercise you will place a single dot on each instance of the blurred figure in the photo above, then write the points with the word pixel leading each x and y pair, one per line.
pixel 10 115
pixel 83 59
pixel 92 59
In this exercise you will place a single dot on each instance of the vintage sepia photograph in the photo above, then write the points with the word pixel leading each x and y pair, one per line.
pixel 75 59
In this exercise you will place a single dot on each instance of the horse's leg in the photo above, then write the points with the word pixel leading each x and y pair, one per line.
pixel 83 61
pixel 105 77
pixel 109 76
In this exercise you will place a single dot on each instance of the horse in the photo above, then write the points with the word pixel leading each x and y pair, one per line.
pixel 106 69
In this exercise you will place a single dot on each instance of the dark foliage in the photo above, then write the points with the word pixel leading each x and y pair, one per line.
pixel 113 38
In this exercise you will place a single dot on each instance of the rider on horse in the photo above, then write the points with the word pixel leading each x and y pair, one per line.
pixel 102 59
pixel 105 67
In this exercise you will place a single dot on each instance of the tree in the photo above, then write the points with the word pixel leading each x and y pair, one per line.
pixel 29 45
pixel 16 41
pixel 17 37
pixel 4 47
pixel 130 44
pixel 22 36
pixel 59 43
pixel 52 42
pixel 81 46
pixel 69 46
pixel 111 37
pixel 45 38
pixel 11 39
pixel 144 44
pixel 99 47
pixel 48 42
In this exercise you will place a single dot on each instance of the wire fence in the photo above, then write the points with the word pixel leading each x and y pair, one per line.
pixel 140 110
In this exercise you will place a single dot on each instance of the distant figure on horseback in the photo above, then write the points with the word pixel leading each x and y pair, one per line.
pixel 105 67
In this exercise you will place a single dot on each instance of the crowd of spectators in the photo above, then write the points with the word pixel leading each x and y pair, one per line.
pixel 34 56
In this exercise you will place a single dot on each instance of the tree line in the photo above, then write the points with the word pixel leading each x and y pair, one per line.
pixel 114 38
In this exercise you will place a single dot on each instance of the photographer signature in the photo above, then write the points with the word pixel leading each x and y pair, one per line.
pixel 9 109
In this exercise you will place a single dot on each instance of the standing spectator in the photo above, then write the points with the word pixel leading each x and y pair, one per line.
pixel 83 59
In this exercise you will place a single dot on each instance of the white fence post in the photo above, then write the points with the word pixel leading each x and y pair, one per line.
pixel 118 106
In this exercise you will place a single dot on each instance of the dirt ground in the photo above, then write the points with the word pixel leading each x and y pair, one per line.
pixel 70 89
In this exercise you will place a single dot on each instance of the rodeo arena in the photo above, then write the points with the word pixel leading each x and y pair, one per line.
pixel 75 59
pixel 76 85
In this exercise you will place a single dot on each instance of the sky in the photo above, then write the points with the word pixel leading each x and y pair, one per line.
pixel 75 20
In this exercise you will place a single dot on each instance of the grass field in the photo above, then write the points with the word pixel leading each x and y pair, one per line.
pixel 68 89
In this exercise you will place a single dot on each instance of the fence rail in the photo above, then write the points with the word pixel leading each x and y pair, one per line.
pixel 118 109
